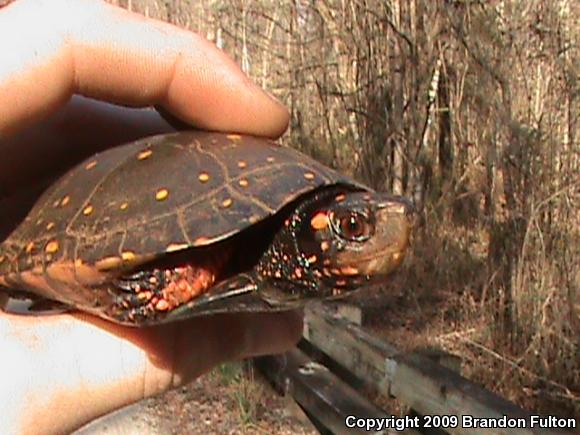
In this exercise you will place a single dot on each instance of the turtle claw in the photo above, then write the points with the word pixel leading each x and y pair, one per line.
pixel 144 280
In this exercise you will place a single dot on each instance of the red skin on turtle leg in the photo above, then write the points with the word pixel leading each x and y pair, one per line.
pixel 185 283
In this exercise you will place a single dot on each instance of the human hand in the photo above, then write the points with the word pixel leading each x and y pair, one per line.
pixel 59 371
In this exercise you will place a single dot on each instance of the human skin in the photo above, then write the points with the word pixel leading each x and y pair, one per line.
pixel 60 371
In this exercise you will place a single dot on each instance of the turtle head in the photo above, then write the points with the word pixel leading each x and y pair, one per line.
pixel 335 242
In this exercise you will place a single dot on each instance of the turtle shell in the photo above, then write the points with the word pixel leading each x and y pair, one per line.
pixel 136 202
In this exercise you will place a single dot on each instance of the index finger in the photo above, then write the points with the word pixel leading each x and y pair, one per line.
pixel 54 49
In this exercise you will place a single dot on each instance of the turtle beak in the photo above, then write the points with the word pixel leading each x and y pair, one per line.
pixel 395 218
pixel 399 205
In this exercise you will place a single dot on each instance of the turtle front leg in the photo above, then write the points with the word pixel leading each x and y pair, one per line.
pixel 147 295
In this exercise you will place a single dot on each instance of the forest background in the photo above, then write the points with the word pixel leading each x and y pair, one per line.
pixel 470 108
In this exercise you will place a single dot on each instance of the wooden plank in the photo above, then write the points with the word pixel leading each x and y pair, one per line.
pixel 321 393
pixel 425 386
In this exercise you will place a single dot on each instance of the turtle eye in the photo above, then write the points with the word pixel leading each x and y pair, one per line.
pixel 353 226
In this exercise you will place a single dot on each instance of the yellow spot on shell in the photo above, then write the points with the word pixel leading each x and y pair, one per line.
pixel 2 258
pixel 200 241
pixel 270 159
pixel 242 164
pixel 243 182
pixel 88 210
pixel 309 175
pixel 253 219
pixel 124 206
pixel 340 197
pixel 128 255
pixel 349 270
pixel 78 262
pixel 144 154
pixel 56 203
pixel 227 202
pixel 312 259
pixel 51 247
pixel 234 137
pixel 162 194
pixel 203 177
pixel 108 263
pixel 91 165
pixel 324 245
pixel 29 247
pixel 172 247
pixel 65 201
pixel 49 226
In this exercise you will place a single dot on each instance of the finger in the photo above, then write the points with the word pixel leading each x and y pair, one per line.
pixel 60 372
pixel 189 348
pixel 53 49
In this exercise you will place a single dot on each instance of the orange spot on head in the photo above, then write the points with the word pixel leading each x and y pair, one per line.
pixel 324 246
pixel 242 164
pixel 88 210
pixel 203 177
pixel 319 221
pixel 124 206
pixel 227 202
pixel 340 197
pixel 298 272
pixel 270 159
pixel 243 182
pixel 312 259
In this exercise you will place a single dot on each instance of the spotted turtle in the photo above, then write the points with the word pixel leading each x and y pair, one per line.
pixel 194 223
